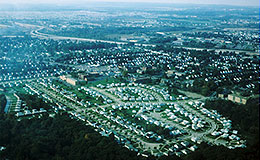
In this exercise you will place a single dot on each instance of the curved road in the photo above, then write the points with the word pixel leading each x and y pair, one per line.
pixel 213 125
pixel 36 33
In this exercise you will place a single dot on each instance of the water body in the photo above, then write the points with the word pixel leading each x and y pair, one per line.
pixel 7 106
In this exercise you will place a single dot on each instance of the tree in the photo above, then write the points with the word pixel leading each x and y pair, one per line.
pixel 125 73
pixel 2 102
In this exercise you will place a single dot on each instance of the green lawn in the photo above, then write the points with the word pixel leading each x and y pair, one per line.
pixel 103 82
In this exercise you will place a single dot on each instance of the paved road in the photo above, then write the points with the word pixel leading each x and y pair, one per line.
pixel 201 135
pixel 222 50
pixel 58 97
pixel 114 98
pixel 213 126
pixel 37 33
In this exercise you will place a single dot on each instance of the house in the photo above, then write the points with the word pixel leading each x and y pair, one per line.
pixel 141 79
pixel 19 114
pixel 237 98
pixel 193 148
pixel 2 148
pixel 83 76
pixel 222 96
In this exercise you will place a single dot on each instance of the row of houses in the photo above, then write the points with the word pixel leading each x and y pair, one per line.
pixel 234 97
pixel 131 94
pixel 225 131
pixel 162 91
pixel 191 121
pixel 124 123
pixel 96 95
pixel 30 112
pixel 27 70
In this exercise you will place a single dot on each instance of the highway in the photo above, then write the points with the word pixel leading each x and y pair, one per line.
pixel 37 33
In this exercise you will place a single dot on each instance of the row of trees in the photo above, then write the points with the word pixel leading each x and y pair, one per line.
pixel 203 87
pixel 34 102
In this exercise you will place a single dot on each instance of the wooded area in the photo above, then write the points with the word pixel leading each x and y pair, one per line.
pixel 2 102
pixel 245 118
pixel 64 138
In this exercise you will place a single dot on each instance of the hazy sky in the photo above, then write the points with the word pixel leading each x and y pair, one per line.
pixel 227 2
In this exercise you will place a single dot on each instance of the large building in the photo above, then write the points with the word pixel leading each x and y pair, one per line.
pixel 71 80
pixel 234 98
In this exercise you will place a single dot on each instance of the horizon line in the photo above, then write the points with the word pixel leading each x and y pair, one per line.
pixel 107 2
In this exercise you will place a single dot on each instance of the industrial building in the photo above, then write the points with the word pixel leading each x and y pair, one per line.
pixel 71 80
